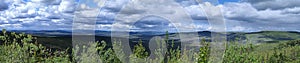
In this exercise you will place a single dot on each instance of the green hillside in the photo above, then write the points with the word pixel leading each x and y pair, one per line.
pixel 18 48
pixel 266 36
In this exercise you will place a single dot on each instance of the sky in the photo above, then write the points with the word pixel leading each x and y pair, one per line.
pixel 239 15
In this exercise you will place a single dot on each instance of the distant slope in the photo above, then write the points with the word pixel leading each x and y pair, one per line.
pixel 266 36
pixel 253 37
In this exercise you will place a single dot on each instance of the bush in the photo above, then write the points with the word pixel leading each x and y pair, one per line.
pixel 17 48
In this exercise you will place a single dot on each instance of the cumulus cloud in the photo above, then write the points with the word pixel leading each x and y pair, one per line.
pixel 67 6
pixel 248 15
pixel 295 10
pixel 37 14
pixel 166 9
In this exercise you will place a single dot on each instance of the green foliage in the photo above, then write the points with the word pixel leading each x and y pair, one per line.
pixel 107 55
pixel 18 48
pixel 281 35
pixel 236 53
pixel 86 53
pixel 173 55
pixel 289 44
pixel 140 51
pixel 204 53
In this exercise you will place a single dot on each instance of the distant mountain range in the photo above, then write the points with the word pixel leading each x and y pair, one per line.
pixel 262 36
pixel 61 39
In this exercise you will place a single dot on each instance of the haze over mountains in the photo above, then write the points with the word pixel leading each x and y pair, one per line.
pixel 262 36
pixel 62 39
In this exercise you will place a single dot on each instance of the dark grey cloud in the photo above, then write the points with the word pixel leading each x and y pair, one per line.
pixel 152 23
pixel 114 5
pixel 195 17
pixel 187 2
pixel 3 5
pixel 274 4
pixel 255 1
pixel 54 17
pixel 132 11
pixel 48 2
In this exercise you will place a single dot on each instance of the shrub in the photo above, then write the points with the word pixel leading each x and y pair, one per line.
pixel 17 48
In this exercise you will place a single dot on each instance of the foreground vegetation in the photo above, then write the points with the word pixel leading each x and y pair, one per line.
pixel 18 48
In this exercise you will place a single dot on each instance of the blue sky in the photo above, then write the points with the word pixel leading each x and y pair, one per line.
pixel 239 15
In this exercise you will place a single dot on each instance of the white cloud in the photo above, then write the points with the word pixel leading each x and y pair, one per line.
pixel 295 10
pixel 244 14
pixel 232 10
pixel 38 14
pixel 238 28
pixel 14 26
pixel 58 14
pixel 67 6
pixel 161 8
